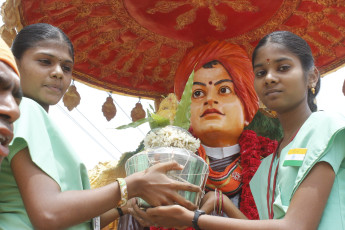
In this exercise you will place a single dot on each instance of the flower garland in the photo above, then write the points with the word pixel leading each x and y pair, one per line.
pixel 253 149
pixel 171 136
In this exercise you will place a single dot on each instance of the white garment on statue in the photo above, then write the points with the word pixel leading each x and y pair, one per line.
pixel 221 152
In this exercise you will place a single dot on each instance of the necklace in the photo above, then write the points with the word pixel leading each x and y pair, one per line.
pixel 270 208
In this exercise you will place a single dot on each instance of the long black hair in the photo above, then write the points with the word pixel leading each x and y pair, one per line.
pixel 299 47
pixel 30 35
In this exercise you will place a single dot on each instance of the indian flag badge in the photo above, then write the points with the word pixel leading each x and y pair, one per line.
pixel 295 157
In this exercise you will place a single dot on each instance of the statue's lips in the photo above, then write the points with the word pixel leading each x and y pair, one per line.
pixel 211 111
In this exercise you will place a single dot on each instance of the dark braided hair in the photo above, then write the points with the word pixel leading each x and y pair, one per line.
pixel 299 47
pixel 30 35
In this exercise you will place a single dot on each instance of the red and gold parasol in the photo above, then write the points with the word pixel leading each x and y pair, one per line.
pixel 134 47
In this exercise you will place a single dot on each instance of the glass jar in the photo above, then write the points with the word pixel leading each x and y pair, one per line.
pixel 195 169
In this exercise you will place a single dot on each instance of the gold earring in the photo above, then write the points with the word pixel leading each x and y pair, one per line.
pixel 312 90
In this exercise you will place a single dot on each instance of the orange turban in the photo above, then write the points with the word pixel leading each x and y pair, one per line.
pixel 7 57
pixel 234 59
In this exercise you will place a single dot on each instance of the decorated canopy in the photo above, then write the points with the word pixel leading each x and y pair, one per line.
pixel 135 46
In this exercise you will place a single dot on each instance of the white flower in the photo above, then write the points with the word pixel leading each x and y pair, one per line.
pixel 171 136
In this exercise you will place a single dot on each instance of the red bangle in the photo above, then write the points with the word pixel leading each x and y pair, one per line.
pixel 215 201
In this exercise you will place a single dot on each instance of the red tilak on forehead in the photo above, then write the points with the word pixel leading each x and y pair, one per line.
pixel 268 60
pixel 210 82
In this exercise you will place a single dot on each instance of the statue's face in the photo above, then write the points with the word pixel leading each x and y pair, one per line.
pixel 217 115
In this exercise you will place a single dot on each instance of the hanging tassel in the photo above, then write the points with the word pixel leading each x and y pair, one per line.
pixel 71 99
pixel 138 112
pixel 108 108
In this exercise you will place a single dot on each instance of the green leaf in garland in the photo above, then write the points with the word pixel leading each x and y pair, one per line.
pixel 158 121
pixel 154 120
pixel 151 107
pixel 182 118
pixel 136 123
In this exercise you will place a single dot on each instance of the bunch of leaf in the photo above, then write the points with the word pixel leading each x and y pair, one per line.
pixel 160 119
pixel 266 126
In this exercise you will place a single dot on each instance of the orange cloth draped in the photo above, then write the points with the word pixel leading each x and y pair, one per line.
pixel 228 181
pixel 7 57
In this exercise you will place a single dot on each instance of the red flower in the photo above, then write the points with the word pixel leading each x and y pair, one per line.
pixel 253 149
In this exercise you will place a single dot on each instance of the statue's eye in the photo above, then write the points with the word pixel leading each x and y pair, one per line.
pixel 198 93
pixel 225 90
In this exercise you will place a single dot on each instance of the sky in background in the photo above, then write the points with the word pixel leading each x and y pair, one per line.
pixel 96 140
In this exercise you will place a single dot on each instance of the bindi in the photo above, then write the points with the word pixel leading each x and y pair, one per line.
pixel 210 82
pixel 268 61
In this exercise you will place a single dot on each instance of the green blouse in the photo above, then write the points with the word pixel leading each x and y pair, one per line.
pixel 322 136
pixel 50 151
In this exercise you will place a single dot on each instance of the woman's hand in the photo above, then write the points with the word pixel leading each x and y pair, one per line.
pixel 156 188
pixel 139 214
pixel 172 216
pixel 143 218
pixel 208 202
pixel 130 203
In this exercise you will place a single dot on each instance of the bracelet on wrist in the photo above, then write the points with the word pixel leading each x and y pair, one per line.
pixel 220 207
pixel 124 193
pixel 215 205
pixel 119 210
pixel 197 214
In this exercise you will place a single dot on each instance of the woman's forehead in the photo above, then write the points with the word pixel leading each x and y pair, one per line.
pixel 271 52
pixel 56 47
